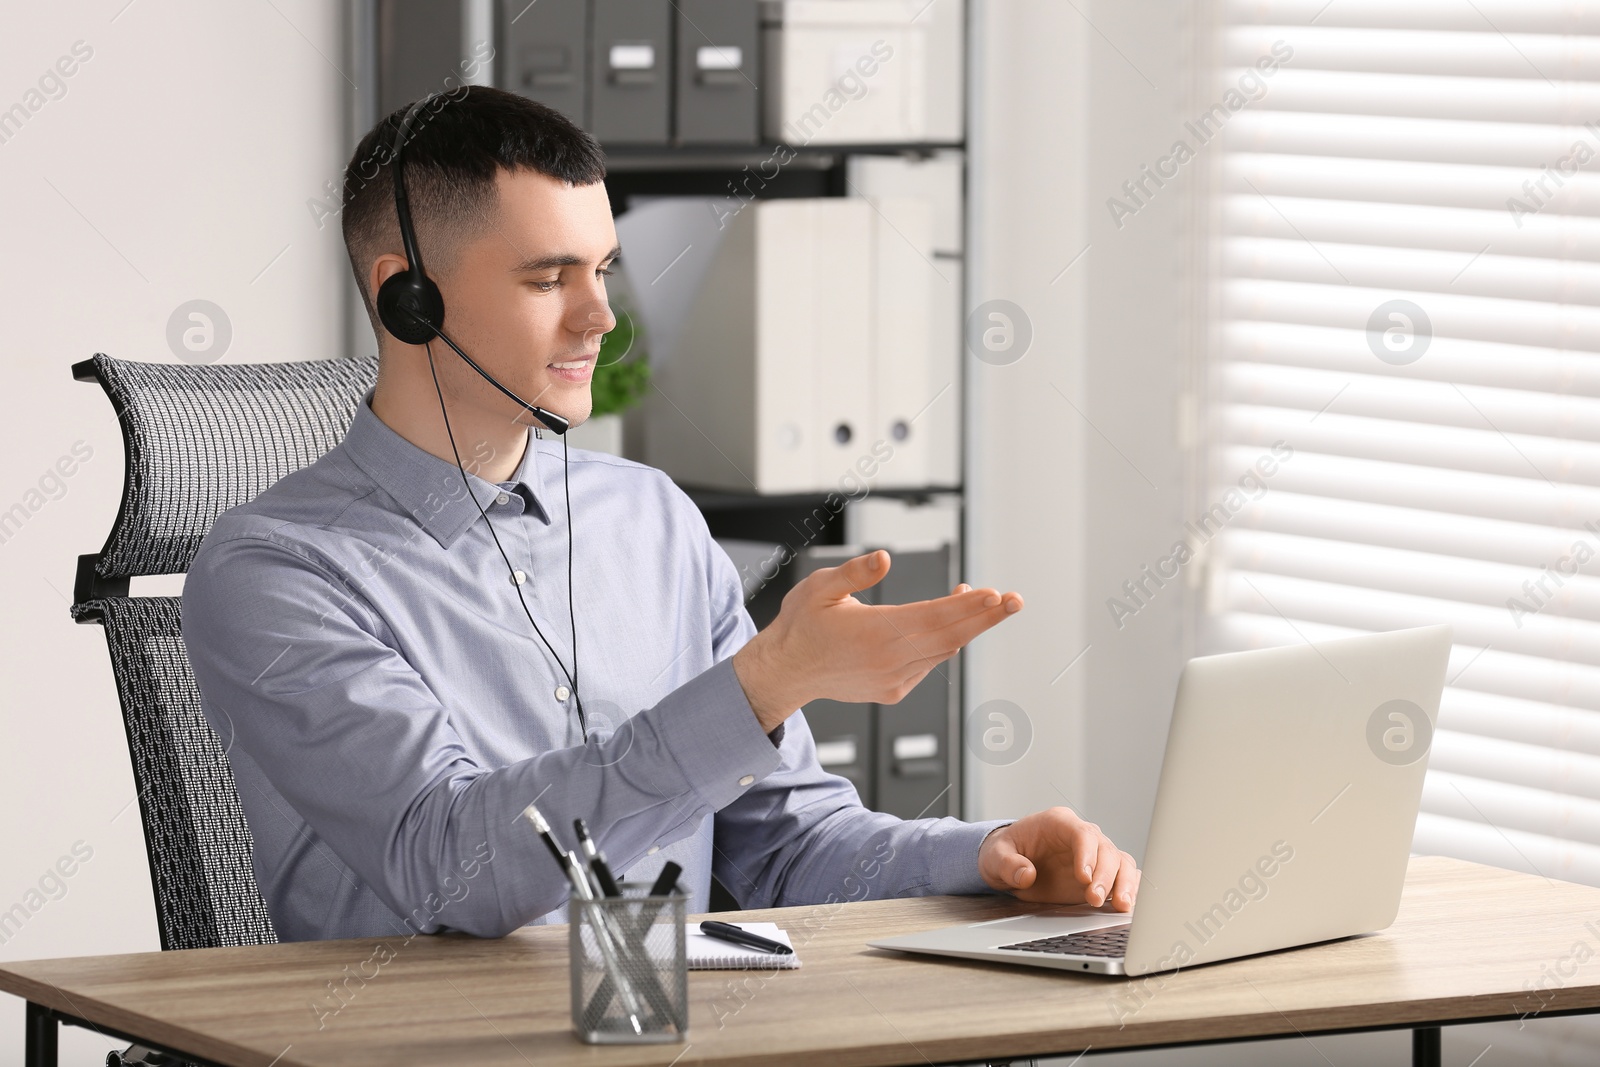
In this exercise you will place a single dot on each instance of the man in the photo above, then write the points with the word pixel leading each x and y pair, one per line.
pixel 388 710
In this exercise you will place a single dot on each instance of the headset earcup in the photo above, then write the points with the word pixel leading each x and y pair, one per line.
pixel 411 308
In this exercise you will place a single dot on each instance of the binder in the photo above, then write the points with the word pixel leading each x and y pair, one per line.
pixel 905 384
pixel 629 71
pixel 546 54
pixel 804 343
pixel 718 72
pixel 945 351
pixel 939 179
pixel 814 344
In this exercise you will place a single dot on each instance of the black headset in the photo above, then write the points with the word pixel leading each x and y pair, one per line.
pixel 411 308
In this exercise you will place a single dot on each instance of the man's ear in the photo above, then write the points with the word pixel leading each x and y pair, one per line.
pixel 383 268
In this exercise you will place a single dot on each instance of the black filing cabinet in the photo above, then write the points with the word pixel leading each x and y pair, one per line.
pixel 719 45
pixel 630 81
pixel 544 53
pixel 421 47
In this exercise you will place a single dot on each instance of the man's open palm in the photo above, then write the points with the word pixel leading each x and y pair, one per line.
pixel 826 644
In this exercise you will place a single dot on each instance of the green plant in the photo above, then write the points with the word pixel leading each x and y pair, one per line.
pixel 622 373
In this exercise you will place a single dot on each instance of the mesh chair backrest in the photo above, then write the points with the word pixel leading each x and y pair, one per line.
pixel 195 832
pixel 198 441
pixel 201 440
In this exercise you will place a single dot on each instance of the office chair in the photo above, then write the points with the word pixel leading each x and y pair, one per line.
pixel 197 441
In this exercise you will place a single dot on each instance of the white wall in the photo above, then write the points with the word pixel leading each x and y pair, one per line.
pixel 1025 458
pixel 1075 475
pixel 1141 279
pixel 176 166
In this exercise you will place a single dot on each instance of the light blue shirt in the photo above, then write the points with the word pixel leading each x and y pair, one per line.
pixel 388 712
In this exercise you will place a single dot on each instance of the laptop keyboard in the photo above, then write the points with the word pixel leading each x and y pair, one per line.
pixel 1110 941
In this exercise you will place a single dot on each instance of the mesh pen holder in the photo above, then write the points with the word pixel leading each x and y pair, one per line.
pixel 630 971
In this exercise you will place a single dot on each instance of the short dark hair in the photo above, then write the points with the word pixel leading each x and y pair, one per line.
pixel 456 145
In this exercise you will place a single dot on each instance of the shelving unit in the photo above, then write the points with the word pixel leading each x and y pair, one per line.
pixel 416 46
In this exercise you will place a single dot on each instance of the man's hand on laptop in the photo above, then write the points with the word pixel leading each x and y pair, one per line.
pixel 1055 856
pixel 827 644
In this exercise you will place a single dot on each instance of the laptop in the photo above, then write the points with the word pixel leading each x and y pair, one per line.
pixel 1288 797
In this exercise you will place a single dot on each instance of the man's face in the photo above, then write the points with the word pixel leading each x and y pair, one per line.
pixel 526 298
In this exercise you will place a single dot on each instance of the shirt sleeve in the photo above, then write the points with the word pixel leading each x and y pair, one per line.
pixel 306 676
pixel 802 836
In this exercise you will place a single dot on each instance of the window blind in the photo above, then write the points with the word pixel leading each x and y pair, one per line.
pixel 1407 293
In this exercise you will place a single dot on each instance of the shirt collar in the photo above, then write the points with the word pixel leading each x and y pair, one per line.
pixel 429 488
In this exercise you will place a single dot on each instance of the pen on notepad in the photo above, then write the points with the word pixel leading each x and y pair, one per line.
pixel 735 936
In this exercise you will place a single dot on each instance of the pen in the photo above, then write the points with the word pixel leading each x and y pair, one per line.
pixel 568 861
pixel 666 880
pixel 734 935
pixel 664 884
pixel 537 821
pixel 585 892
pixel 597 861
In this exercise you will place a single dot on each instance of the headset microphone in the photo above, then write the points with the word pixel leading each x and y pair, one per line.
pixel 411 308
pixel 553 422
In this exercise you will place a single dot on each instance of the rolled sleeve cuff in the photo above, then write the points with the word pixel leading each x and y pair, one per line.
pixel 717 740
pixel 954 864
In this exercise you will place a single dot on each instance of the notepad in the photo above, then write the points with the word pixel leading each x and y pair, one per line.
pixel 709 954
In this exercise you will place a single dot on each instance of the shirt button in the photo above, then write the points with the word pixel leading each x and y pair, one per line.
pixel 518 577
pixel 503 498
pixel 747 779
pixel 652 850
pixel 562 693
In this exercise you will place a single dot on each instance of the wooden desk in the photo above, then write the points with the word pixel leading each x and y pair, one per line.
pixel 1468 941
